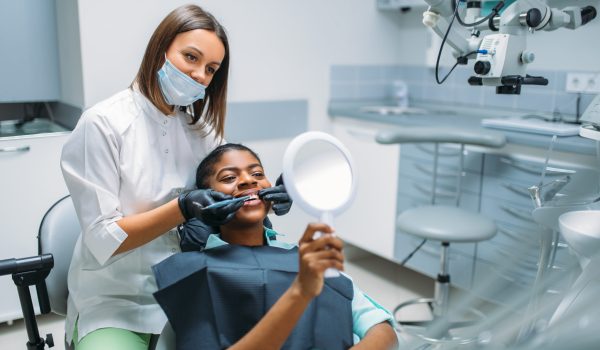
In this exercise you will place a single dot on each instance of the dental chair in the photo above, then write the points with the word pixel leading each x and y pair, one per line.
pixel 58 233
pixel 446 224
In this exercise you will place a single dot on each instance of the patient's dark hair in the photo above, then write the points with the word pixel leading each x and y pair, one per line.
pixel 206 167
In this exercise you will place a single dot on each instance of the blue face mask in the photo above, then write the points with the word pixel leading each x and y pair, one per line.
pixel 178 88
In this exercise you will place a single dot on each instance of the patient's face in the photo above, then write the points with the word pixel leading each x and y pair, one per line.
pixel 239 173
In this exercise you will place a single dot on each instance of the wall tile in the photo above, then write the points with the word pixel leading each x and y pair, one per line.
pixel 344 73
pixel 375 82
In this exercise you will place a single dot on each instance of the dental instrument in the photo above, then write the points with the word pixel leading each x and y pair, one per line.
pixel 223 203
pixel 502 56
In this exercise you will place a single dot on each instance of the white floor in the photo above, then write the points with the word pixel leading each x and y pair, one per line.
pixel 384 281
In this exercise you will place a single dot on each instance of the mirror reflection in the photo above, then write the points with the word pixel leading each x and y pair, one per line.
pixel 323 176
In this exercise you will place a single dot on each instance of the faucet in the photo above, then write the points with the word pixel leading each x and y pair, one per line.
pixel 535 191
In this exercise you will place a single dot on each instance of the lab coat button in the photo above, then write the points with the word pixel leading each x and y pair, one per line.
pixel 166 150
pixel 164 133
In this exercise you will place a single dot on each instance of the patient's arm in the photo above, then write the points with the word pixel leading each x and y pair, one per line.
pixel 380 336
pixel 315 257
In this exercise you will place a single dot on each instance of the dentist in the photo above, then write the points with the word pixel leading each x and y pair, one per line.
pixel 130 167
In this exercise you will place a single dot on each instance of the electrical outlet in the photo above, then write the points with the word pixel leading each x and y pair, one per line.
pixel 583 82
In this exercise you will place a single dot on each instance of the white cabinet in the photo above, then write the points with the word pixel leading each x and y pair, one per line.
pixel 30 182
pixel 370 222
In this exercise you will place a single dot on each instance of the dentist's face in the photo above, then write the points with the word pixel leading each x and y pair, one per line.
pixel 197 53
pixel 239 173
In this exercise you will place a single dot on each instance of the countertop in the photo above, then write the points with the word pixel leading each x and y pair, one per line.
pixel 461 116
pixel 9 129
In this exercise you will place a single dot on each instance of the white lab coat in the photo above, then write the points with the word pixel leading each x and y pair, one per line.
pixel 124 157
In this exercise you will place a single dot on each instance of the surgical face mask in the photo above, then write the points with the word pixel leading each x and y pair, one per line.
pixel 178 88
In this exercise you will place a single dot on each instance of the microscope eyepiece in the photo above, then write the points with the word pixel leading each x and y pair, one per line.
pixel 588 13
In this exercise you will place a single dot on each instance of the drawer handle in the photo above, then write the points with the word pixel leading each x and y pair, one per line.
pixel 525 262
pixel 535 169
pixel 516 213
pixel 427 191
pixel 15 149
pixel 516 189
pixel 561 245
pixel 443 153
pixel 515 236
pixel 429 171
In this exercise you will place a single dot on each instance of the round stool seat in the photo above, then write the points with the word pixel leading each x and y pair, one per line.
pixel 446 224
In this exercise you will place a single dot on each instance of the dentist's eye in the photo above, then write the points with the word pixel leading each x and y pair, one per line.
pixel 190 57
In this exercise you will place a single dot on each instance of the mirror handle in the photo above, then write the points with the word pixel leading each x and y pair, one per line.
pixel 327 218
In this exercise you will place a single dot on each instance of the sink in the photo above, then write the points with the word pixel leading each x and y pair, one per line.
pixel 581 230
pixel 394 110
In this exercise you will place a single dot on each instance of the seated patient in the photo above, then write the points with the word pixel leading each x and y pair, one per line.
pixel 246 290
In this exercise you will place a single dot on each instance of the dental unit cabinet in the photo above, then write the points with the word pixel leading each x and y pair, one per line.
pixel 393 178
pixel 31 183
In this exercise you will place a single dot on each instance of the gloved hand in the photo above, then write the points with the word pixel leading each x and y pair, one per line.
pixel 193 205
pixel 193 235
pixel 282 202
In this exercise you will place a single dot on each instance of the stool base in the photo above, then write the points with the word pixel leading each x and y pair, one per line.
pixel 436 330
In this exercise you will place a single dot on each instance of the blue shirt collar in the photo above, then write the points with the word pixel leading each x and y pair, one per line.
pixel 214 240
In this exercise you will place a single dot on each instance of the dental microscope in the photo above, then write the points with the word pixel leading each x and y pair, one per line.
pixel 501 57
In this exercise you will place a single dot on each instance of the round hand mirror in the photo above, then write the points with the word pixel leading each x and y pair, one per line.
pixel 319 175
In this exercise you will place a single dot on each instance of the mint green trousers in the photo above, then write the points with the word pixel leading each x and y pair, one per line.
pixel 113 339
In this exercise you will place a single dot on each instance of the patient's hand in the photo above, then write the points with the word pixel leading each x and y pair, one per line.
pixel 315 257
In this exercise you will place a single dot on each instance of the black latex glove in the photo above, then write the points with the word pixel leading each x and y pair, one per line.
pixel 193 204
pixel 193 235
pixel 282 202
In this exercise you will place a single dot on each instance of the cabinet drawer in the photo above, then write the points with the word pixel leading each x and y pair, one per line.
pixel 530 172
pixel 31 183
pixel 506 189
pixel 414 193
pixel 519 261
pixel 448 154
pixel 447 175
pixel 516 214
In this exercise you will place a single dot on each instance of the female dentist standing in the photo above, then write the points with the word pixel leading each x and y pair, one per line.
pixel 130 167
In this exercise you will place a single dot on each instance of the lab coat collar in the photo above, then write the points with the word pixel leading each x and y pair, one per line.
pixel 150 109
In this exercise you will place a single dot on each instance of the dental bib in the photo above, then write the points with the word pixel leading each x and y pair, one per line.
pixel 212 298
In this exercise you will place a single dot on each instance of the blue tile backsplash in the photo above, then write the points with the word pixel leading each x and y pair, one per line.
pixel 354 82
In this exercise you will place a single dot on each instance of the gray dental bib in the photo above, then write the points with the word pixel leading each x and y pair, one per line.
pixel 214 297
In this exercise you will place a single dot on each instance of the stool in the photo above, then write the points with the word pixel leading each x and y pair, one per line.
pixel 445 224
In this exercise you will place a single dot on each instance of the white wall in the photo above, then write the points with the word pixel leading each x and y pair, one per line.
pixel 280 49
pixel 562 49
pixel 69 52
